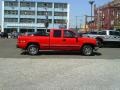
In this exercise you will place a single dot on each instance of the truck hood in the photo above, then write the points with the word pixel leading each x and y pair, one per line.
pixel 88 40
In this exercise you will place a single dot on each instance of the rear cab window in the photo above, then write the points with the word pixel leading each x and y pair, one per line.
pixel 41 33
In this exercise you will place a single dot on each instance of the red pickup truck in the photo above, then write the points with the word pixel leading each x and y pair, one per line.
pixel 56 39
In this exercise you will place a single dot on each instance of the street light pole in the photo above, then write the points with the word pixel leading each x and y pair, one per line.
pixel 91 3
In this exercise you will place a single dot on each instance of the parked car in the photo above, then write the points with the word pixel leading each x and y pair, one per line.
pixel 15 34
pixel 106 37
pixel 0 34
pixel 4 35
pixel 57 39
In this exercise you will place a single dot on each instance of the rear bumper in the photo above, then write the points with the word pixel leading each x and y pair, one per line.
pixel 21 45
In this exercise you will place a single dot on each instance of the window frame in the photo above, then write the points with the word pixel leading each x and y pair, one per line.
pixel 70 32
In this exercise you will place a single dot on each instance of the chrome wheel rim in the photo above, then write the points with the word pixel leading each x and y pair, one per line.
pixel 33 50
pixel 87 50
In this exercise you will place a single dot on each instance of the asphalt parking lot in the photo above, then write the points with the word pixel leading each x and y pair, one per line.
pixel 8 50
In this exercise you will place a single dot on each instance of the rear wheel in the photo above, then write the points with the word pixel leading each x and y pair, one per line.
pixel 33 49
pixel 87 50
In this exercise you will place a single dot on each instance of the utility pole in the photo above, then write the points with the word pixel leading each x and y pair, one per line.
pixel 85 23
pixel 76 17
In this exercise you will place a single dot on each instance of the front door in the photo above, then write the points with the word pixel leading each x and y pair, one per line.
pixel 70 41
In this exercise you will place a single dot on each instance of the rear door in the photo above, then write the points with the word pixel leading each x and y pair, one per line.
pixel 56 40
pixel 42 38
pixel 114 36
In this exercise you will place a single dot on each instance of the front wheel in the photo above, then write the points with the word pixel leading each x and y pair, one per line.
pixel 33 49
pixel 99 43
pixel 87 50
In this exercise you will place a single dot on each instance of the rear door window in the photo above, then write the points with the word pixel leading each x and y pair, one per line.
pixel 57 33
pixel 115 33
pixel 102 33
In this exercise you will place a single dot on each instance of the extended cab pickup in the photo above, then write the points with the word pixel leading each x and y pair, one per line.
pixel 56 39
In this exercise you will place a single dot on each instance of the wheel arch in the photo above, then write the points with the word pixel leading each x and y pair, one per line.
pixel 100 39
pixel 87 44
pixel 33 43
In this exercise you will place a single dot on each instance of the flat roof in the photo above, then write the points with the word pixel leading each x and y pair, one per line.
pixel 37 1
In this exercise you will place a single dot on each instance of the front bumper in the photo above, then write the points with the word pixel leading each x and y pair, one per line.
pixel 17 46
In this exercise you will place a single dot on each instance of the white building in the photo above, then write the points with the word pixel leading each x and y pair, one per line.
pixel 30 15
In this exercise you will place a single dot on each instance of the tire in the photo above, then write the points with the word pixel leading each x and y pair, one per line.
pixel 99 43
pixel 33 49
pixel 87 50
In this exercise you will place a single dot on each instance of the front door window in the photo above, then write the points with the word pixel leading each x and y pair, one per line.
pixel 69 34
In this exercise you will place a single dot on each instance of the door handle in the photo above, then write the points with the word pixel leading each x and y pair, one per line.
pixel 64 40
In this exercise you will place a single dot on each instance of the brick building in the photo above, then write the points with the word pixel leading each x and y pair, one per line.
pixel 107 16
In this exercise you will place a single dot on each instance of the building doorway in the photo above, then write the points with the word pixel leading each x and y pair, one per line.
pixel 9 30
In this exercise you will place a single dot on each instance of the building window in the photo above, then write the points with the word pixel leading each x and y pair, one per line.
pixel 42 13
pixel 60 13
pixel 11 12
pixel 27 4
pixel 60 5
pixel 10 19
pixel 44 4
pixel 40 20
pixel 24 12
pixel 27 20
pixel 60 21
pixel 43 20
pixel 11 3
pixel 57 33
